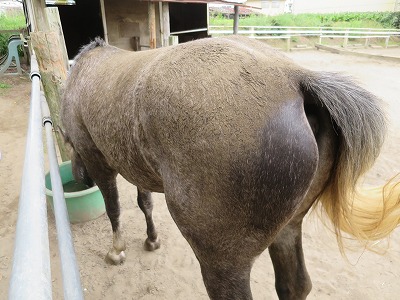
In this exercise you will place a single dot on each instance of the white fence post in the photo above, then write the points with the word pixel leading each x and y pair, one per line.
pixel 346 39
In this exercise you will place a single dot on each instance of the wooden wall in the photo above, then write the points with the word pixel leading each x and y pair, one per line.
pixel 126 19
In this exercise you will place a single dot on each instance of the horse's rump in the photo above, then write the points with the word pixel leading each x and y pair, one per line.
pixel 232 132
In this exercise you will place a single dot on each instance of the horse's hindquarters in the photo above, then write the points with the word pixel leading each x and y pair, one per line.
pixel 251 192
pixel 282 170
pixel 231 213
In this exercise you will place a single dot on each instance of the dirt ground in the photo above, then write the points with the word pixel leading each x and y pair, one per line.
pixel 172 272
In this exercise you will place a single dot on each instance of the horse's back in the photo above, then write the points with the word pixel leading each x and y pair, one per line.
pixel 219 115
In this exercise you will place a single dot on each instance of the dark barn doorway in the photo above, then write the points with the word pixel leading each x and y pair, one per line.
pixel 81 23
pixel 188 16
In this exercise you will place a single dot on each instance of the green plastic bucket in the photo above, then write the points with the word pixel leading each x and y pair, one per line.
pixel 82 205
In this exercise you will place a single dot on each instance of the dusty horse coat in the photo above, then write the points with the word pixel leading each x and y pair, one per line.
pixel 239 139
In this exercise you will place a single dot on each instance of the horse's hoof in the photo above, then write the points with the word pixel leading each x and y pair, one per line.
pixel 151 245
pixel 115 259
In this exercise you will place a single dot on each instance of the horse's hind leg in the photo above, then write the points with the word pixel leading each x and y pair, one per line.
pixel 116 254
pixel 291 278
pixel 145 203
pixel 105 178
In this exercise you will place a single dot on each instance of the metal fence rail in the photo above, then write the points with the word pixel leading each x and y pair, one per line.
pixel 316 31
pixel 69 268
pixel 30 276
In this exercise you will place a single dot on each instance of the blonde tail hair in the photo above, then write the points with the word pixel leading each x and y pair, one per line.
pixel 361 125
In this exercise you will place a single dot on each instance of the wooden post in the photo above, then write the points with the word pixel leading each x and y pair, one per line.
pixel 165 21
pixel 160 19
pixel 152 25
pixel 39 15
pixel 53 72
pixel 135 42
pixel 54 20
pixel 31 14
pixel 236 20
pixel 51 60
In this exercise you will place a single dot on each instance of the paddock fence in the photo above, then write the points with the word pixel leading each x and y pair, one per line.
pixel 323 33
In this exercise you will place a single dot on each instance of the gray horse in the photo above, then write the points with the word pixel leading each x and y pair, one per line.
pixel 240 139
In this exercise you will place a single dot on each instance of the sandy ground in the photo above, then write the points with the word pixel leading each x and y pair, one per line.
pixel 172 272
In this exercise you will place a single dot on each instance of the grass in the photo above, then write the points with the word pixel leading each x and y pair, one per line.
pixel 349 20
pixel 376 20
pixel 12 21
pixel 15 20
pixel 4 85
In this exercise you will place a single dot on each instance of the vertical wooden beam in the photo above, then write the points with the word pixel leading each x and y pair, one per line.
pixel 236 20
pixel 51 60
pixel 160 19
pixel 54 20
pixel 31 15
pixel 53 73
pixel 39 15
pixel 103 18
pixel 152 25
pixel 208 20
pixel 135 42
pixel 165 21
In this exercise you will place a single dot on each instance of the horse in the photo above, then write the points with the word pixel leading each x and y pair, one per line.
pixel 242 142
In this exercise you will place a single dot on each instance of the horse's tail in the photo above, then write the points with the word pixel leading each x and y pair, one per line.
pixel 361 126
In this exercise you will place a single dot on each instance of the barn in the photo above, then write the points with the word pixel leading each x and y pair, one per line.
pixel 132 24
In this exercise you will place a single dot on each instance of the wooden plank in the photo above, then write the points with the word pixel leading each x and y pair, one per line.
pixel 160 15
pixel 53 73
pixel 165 21
pixel 152 25
pixel 327 48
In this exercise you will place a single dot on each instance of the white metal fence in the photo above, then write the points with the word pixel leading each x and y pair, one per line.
pixel 287 33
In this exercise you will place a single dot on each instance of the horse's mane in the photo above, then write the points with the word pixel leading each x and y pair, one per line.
pixel 97 42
